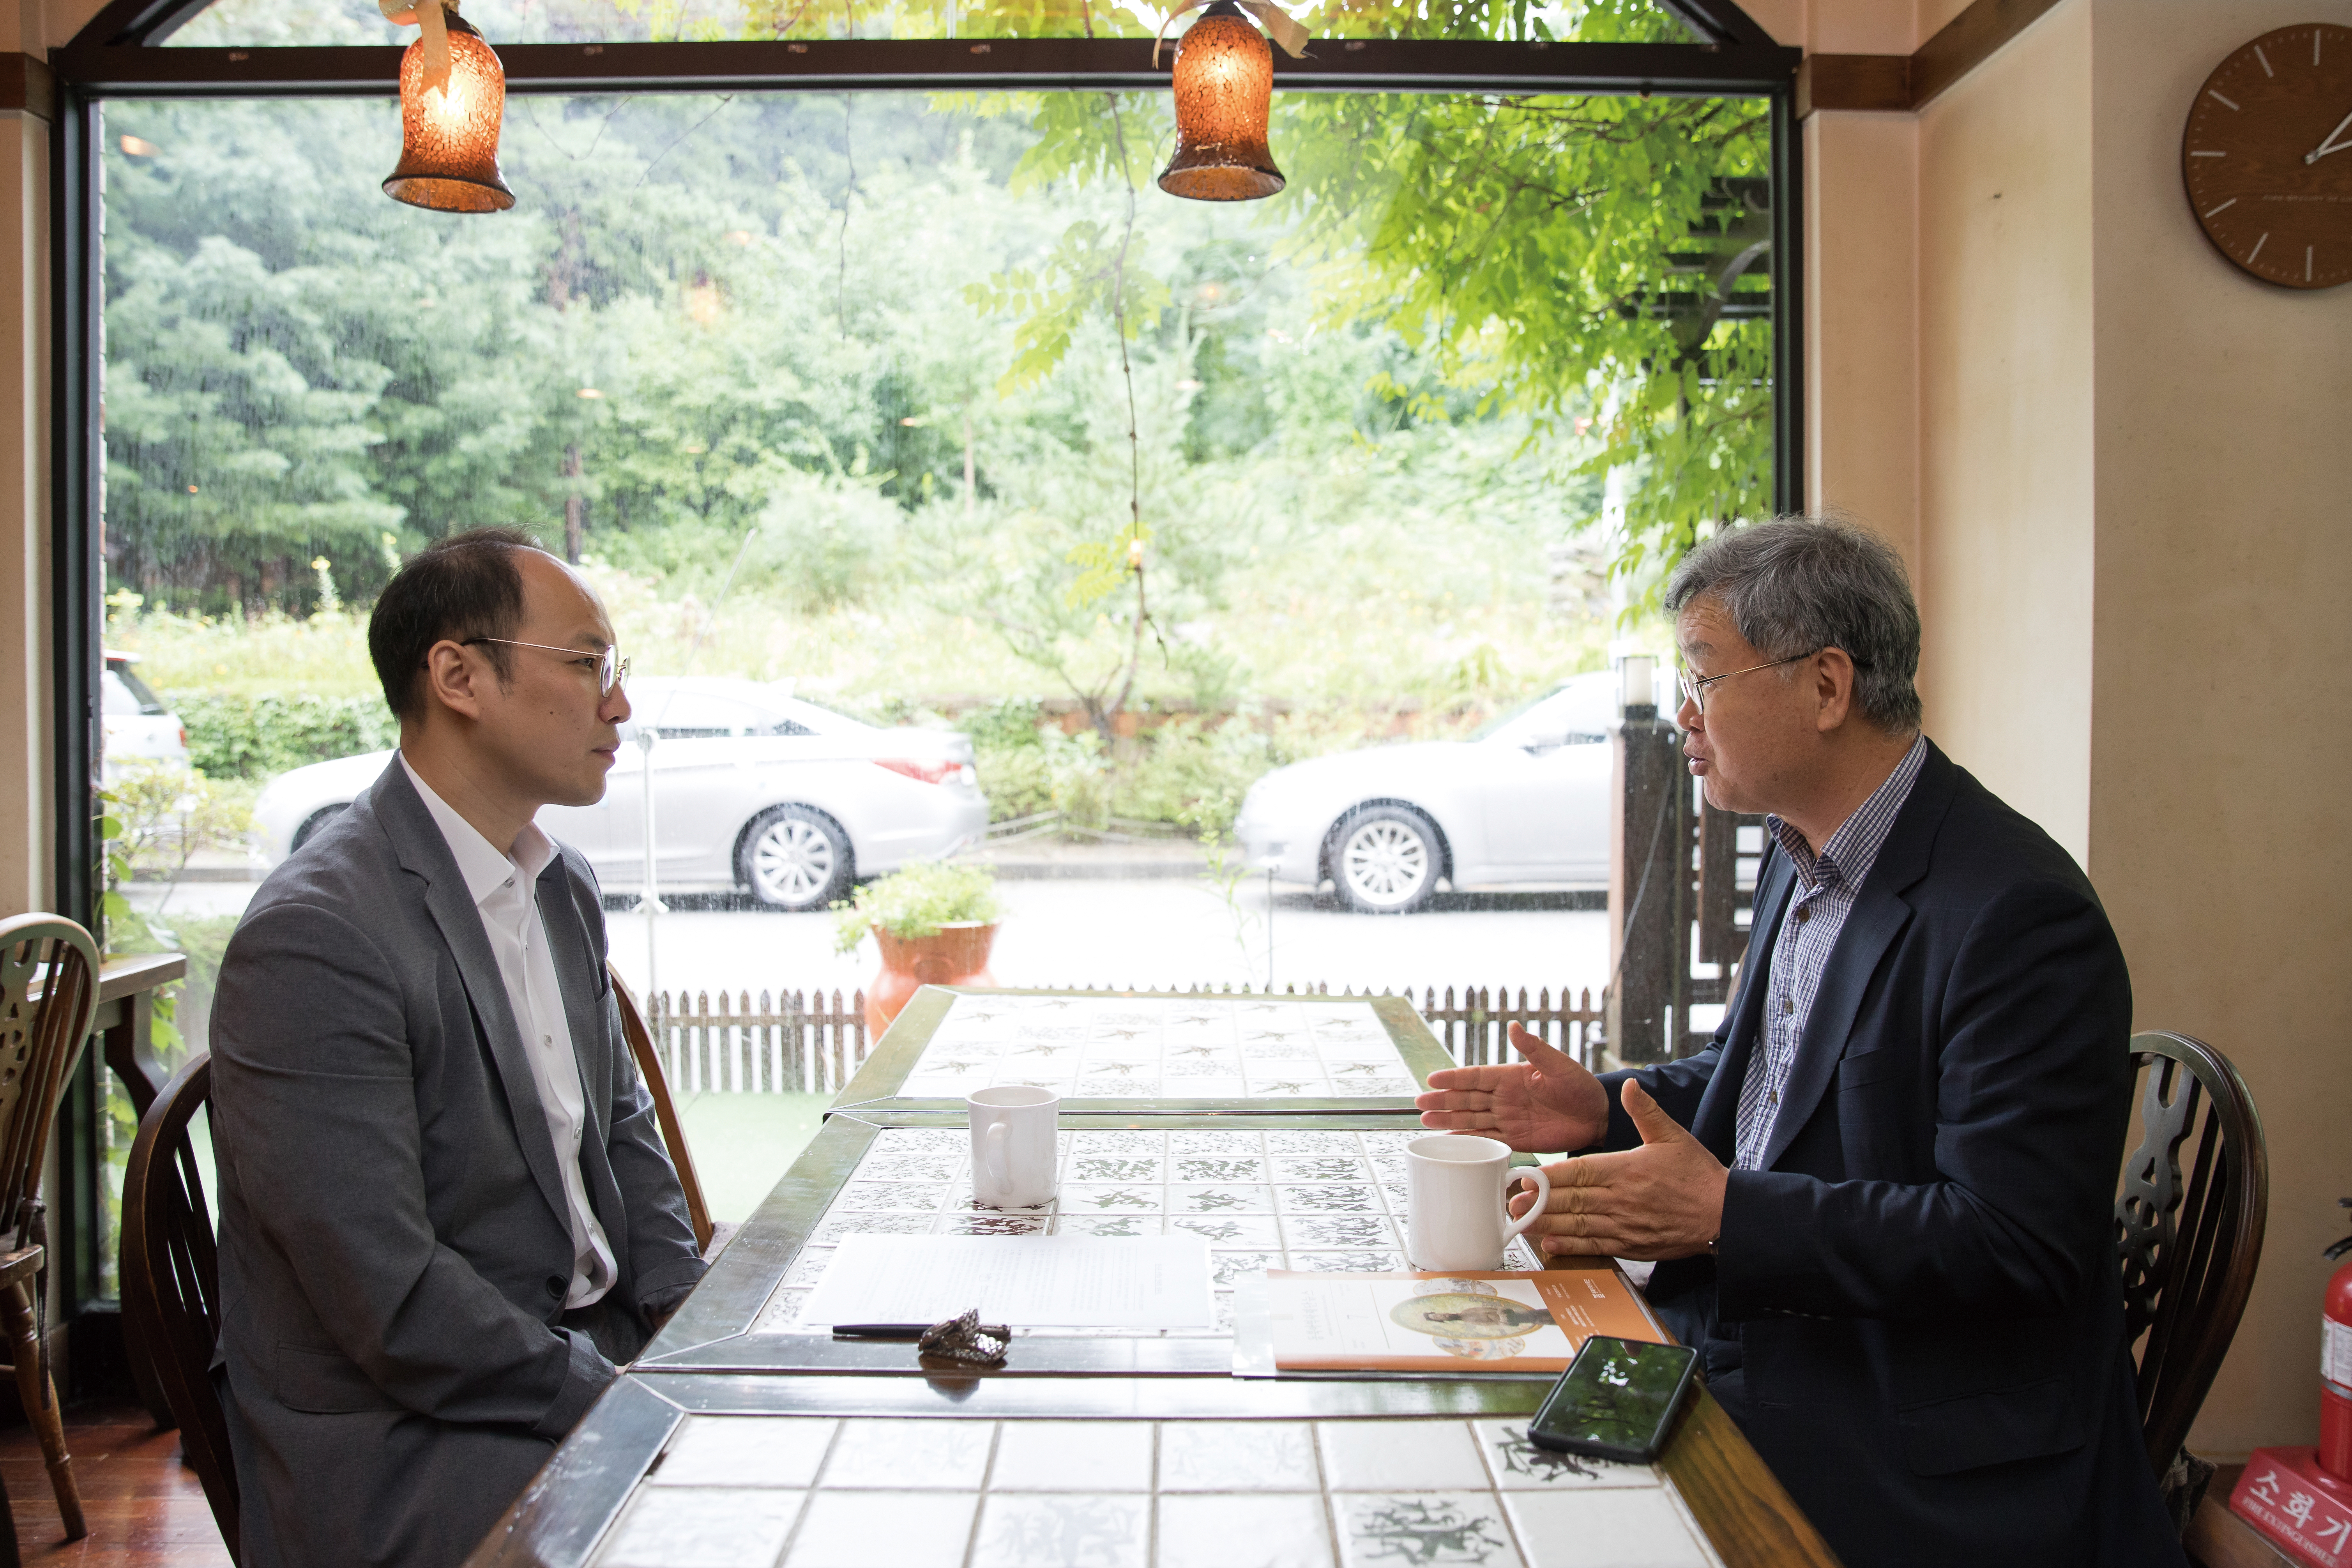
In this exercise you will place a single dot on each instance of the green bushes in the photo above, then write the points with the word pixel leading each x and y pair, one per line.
pixel 255 737
pixel 1186 773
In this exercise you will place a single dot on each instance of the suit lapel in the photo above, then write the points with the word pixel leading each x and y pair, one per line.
pixel 416 839
pixel 1716 1125
pixel 594 1044
pixel 1880 913
pixel 576 978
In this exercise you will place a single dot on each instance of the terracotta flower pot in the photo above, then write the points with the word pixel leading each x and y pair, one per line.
pixel 958 955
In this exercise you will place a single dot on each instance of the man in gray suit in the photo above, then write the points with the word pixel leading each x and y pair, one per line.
pixel 444 1212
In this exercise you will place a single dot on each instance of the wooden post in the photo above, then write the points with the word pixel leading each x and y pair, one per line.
pixel 1649 888
pixel 575 507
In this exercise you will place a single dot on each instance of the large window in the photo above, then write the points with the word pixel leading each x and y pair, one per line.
pixel 927 415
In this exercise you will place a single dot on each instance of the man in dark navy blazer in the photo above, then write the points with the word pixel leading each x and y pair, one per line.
pixel 1880 1199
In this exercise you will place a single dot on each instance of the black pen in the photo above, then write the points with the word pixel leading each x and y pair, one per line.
pixel 880 1331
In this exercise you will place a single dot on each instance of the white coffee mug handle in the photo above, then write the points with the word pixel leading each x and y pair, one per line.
pixel 998 1131
pixel 1535 1210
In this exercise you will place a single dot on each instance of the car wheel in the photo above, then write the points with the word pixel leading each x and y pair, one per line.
pixel 794 858
pixel 312 823
pixel 1386 859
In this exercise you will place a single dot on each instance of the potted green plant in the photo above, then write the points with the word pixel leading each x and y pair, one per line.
pixel 935 925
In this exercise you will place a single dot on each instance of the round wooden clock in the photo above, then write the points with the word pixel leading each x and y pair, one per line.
pixel 2267 156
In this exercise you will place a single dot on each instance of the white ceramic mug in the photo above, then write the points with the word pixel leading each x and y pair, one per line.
pixel 1457 1214
pixel 1013 1145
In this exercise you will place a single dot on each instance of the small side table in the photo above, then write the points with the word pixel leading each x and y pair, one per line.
pixel 125 1030
pixel 126 1020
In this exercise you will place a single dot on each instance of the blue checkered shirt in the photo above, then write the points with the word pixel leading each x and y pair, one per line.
pixel 1827 885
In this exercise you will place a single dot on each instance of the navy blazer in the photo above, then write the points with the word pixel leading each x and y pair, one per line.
pixel 1915 1309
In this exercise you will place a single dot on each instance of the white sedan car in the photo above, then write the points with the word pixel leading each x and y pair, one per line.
pixel 137 724
pixel 1524 800
pixel 753 789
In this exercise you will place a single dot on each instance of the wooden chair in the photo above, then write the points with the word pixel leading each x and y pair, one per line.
pixel 49 1000
pixel 2189 1248
pixel 171 1281
pixel 650 1068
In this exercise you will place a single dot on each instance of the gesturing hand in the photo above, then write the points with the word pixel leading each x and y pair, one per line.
pixel 1543 1105
pixel 1663 1200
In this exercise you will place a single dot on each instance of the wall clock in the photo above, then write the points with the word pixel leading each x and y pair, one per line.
pixel 2267 156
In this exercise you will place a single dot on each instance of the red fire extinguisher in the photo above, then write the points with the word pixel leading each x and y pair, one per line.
pixel 2335 1368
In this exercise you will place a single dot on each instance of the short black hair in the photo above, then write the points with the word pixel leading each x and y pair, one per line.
pixel 466 586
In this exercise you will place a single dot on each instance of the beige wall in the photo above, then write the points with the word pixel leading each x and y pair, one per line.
pixel 26 841
pixel 2005 421
pixel 1862 358
pixel 2224 573
pixel 2131 539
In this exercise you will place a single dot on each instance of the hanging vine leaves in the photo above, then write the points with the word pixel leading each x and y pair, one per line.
pixel 1593 263
pixel 1079 279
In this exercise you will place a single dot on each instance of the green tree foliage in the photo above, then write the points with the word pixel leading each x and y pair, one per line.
pixel 704 329
pixel 1568 260
pixel 927 353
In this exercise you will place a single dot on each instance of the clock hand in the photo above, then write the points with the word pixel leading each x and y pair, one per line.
pixel 2331 144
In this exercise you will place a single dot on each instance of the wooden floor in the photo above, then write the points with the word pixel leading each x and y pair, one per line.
pixel 144 1506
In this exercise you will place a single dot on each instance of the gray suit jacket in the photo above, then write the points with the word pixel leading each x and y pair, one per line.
pixel 394 1247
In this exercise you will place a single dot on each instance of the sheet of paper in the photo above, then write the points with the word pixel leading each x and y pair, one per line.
pixel 1025 1281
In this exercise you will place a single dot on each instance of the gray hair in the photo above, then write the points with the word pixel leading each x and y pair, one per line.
pixel 1798 585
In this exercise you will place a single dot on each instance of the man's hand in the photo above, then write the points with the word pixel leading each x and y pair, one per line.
pixel 1663 1200
pixel 1543 1105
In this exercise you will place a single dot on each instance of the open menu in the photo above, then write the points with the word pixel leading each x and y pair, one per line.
pixel 1447 1322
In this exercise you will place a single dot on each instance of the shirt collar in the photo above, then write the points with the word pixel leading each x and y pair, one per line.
pixel 486 870
pixel 1853 849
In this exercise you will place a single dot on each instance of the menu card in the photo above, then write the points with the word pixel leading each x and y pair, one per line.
pixel 1492 1321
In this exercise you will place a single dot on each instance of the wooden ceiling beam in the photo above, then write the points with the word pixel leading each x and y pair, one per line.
pixel 1903 83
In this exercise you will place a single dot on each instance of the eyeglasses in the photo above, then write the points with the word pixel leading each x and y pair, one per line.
pixel 1694 687
pixel 612 669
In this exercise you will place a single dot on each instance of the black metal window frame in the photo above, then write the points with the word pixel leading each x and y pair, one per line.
pixel 117 56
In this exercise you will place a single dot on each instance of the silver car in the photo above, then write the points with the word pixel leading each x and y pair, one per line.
pixel 135 721
pixel 1524 800
pixel 754 789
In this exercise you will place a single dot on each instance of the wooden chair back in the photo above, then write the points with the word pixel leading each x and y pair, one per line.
pixel 49 1000
pixel 650 1068
pixel 2188 1240
pixel 171 1281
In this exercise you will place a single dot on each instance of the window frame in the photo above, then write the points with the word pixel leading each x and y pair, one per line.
pixel 117 56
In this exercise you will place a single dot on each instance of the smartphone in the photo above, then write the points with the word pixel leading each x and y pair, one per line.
pixel 1617 1400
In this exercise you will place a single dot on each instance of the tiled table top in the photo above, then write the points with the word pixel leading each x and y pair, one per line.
pixel 1151 1047
pixel 732 1491
pixel 1271 1198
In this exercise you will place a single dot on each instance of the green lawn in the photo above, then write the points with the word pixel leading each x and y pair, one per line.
pixel 743 1144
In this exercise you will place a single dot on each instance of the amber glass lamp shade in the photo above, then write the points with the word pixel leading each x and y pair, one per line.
pixel 449 135
pixel 1224 83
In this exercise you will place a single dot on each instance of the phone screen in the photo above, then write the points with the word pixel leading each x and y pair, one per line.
pixel 1616 1400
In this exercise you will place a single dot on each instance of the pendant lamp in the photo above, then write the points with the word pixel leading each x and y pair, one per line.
pixel 1224 84
pixel 450 127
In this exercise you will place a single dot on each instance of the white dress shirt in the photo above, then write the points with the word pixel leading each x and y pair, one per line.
pixel 506 891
